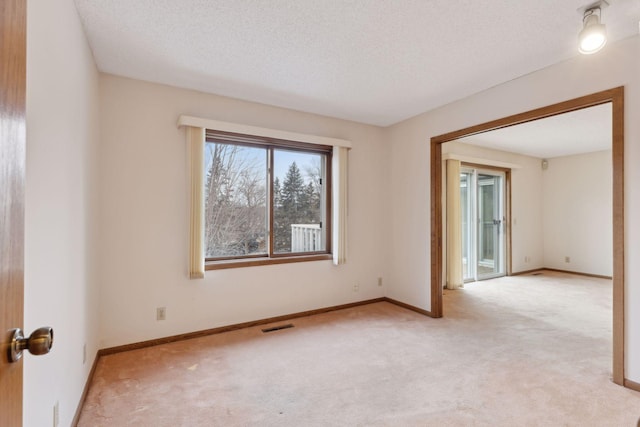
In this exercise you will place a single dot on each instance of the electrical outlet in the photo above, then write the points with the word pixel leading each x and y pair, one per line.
pixel 379 281
pixel 356 287
pixel 161 313
pixel 56 414
pixel 567 259
pixel 84 353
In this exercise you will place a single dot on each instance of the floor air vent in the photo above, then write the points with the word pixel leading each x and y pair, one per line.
pixel 537 274
pixel 277 328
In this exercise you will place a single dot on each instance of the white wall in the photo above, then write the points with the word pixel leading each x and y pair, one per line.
pixel 617 65
pixel 577 213
pixel 62 131
pixel 526 201
pixel 144 219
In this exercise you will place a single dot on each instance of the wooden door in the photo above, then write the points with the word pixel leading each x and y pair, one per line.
pixel 13 49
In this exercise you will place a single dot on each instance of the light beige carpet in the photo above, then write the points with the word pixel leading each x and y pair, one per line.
pixel 519 351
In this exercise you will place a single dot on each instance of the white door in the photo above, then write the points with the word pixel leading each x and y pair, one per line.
pixel 483 223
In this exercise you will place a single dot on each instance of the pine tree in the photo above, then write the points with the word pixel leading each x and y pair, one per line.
pixel 293 208
pixel 292 194
pixel 313 204
pixel 281 244
pixel 277 194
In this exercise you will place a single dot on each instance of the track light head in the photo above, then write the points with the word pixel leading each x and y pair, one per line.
pixel 593 36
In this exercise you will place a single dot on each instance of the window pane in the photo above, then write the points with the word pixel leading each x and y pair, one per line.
pixel 299 205
pixel 235 200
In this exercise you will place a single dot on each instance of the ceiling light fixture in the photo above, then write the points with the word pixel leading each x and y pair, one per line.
pixel 593 36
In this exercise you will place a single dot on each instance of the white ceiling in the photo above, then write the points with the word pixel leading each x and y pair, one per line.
pixel 582 131
pixel 371 61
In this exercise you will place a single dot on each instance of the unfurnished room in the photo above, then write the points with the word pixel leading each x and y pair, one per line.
pixel 336 213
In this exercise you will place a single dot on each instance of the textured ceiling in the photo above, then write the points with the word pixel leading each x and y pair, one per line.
pixel 371 61
pixel 582 131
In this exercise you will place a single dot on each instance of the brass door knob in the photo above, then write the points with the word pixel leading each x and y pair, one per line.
pixel 38 343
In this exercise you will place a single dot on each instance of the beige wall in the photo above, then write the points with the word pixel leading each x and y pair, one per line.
pixel 577 213
pixel 144 221
pixel 409 268
pixel 62 134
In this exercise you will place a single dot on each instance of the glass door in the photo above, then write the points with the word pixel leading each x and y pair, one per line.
pixel 490 225
pixel 483 217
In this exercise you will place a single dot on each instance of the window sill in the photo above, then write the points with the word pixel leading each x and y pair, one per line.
pixel 237 263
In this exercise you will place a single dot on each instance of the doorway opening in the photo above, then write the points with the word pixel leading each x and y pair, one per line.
pixel 616 98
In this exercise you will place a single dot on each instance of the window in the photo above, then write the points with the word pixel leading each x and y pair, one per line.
pixel 265 200
pixel 258 218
